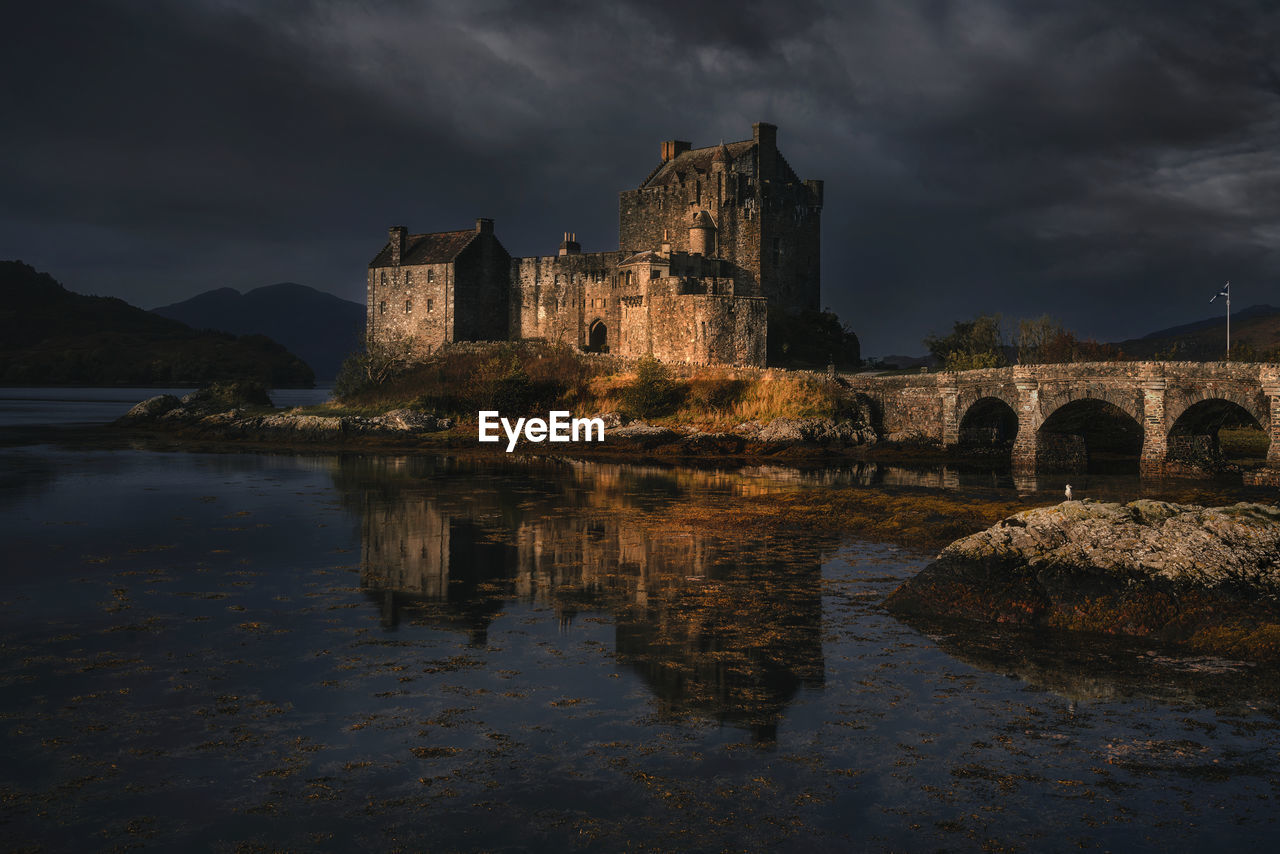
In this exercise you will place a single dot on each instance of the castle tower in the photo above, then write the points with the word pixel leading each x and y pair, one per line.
pixel 702 235
pixel 764 220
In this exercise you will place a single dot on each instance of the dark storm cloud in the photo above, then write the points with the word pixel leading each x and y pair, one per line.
pixel 1109 163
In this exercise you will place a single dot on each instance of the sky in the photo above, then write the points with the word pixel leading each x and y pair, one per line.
pixel 1108 163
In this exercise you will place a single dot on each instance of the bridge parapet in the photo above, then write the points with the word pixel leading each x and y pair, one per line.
pixel 1155 394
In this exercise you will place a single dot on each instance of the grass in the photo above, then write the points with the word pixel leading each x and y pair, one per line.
pixel 528 378
pixel 1243 443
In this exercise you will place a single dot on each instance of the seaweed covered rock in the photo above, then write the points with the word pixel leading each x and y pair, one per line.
pixel 220 397
pixel 813 431
pixel 151 408
pixel 1208 576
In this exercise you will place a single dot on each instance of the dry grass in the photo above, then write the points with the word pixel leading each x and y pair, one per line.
pixel 533 377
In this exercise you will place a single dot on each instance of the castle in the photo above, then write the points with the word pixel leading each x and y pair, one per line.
pixel 710 241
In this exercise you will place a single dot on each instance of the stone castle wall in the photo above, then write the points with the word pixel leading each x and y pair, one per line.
pixel 697 328
pixel 768 223
pixel 428 305
pixel 413 304
pixel 482 290
pixel 734 222
pixel 559 297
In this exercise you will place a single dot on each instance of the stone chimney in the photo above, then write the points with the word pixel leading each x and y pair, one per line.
pixel 570 245
pixel 484 226
pixel 398 235
pixel 673 148
pixel 666 244
pixel 765 137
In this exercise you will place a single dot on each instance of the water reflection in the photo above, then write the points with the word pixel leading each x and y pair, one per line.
pixel 1083 668
pixel 715 630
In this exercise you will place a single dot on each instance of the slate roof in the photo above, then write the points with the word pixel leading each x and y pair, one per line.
pixel 645 256
pixel 436 248
pixel 695 162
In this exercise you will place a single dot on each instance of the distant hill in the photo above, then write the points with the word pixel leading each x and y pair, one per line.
pixel 321 328
pixel 897 361
pixel 1256 327
pixel 51 336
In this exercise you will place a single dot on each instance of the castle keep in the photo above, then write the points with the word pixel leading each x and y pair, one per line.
pixel 709 242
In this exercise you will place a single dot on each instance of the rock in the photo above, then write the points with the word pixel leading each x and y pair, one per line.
pixel 220 397
pixel 645 435
pixel 410 421
pixel 612 420
pixel 712 443
pixel 319 427
pixel 1147 568
pixel 151 408
pixel 816 431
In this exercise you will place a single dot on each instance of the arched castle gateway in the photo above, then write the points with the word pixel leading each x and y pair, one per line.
pixel 709 241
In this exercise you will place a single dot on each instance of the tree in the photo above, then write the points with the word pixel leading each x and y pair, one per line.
pixel 972 344
pixel 1044 341
pixel 379 362
pixel 810 339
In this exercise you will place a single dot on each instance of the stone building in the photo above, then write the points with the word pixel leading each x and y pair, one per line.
pixel 708 243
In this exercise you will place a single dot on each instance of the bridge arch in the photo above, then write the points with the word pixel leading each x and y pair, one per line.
pixel 1128 401
pixel 1087 431
pixel 988 420
pixel 1178 404
pixel 1194 446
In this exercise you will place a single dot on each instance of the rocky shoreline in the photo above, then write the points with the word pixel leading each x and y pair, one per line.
pixel 198 416
pixel 1205 577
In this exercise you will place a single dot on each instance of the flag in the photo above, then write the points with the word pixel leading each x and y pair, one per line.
pixel 1225 292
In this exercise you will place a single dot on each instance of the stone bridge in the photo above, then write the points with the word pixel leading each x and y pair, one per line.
pixel 1054 413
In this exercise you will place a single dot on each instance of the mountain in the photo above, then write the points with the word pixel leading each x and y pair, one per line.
pixel 897 361
pixel 51 336
pixel 321 328
pixel 1255 329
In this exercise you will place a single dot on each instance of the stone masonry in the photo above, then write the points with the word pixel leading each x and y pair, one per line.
pixel 1163 399
pixel 711 240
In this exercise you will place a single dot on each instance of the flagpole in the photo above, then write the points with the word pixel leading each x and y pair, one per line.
pixel 1226 292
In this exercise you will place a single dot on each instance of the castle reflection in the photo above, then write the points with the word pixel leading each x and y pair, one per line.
pixel 717 626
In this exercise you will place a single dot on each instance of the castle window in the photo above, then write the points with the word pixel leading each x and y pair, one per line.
pixel 603 302
pixel 653 273
pixel 431 275
pixel 382 307
pixel 430 304
pixel 408 306
pixel 384 277
pixel 408 278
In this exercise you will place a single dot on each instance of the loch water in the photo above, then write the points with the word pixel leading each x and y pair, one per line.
pixel 230 651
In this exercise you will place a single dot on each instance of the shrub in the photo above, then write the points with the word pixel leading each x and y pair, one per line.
pixel 652 393
pixel 236 394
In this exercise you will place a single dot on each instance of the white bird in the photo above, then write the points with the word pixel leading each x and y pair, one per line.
pixel 1068 492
